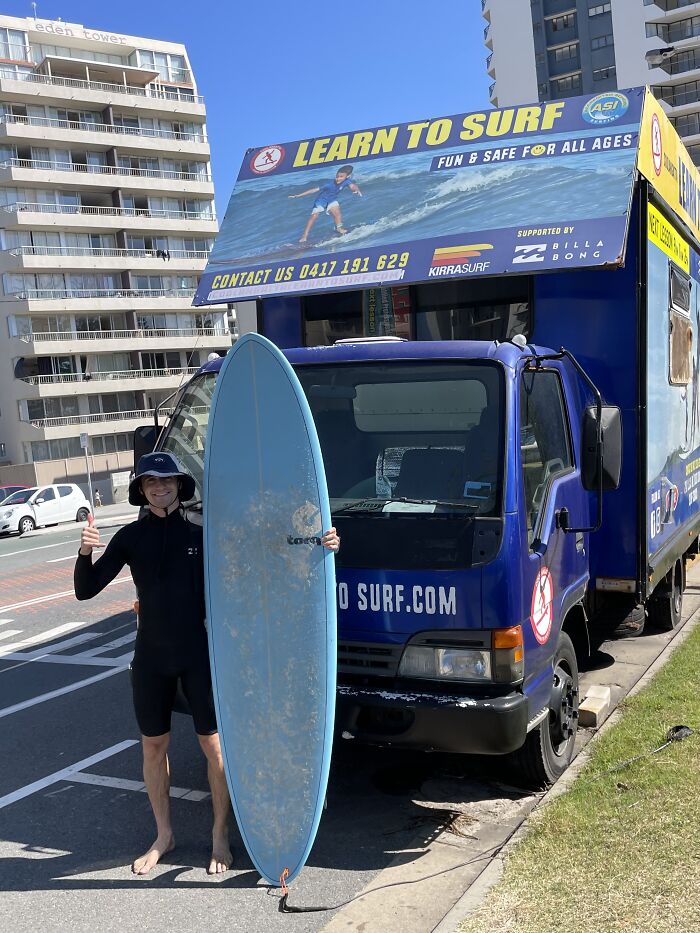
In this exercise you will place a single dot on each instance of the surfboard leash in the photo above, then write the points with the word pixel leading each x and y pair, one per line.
pixel 286 908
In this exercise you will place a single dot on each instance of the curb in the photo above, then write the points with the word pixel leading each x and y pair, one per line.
pixel 475 894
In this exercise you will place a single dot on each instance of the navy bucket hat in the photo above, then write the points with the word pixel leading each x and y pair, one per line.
pixel 163 464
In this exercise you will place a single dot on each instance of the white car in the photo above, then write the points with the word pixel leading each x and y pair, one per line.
pixel 43 505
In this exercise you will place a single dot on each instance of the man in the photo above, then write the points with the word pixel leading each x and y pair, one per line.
pixel 164 553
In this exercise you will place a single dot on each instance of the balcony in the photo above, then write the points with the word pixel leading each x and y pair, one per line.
pixel 24 130
pixel 69 257
pixel 88 341
pixel 46 424
pixel 669 5
pixel 87 217
pixel 37 84
pixel 102 299
pixel 106 176
pixel 78 383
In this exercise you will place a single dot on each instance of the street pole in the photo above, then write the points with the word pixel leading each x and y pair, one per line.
pixel 84 445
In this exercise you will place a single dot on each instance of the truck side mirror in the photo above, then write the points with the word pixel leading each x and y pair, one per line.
pixel 608 457
pixel 145 437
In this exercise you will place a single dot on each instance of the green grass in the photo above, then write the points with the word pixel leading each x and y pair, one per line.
pixel 621 851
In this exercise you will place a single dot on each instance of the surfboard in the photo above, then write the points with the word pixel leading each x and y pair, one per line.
pixel 271 608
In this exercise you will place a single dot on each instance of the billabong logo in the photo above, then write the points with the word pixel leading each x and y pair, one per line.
pixel 450 255
pixel 605 108
pixel 533 252
pixel 267 159
pixel 312 540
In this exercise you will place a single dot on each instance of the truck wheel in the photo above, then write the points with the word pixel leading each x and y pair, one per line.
pixel 26 525
pixel 549 748
pixel 665 611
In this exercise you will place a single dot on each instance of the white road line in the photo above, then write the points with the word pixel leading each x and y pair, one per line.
pixel 10 633
pixel 64 773
pixel 18 707
pixel 75 659
pixel 50 649
pixel 5 621
pixel 57 560
pixel 44 547
pixel 103 780
pixel 45 599
pixel 117 643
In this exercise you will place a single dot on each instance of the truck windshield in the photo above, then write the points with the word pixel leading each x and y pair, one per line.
pixel 409 437
pixel 187 429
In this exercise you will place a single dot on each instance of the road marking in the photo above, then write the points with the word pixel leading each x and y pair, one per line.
pixel 18 707
pixel 5 621
pixel 75 659
pixel 45 599
pixel 30 657
pixel 64 773
pixel 103 780
pixel 59 646
pixel 57 560
pixel 10 633
pixel 117 643
pixel 44 547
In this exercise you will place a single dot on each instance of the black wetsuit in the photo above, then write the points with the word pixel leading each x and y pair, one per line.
pixel 166 562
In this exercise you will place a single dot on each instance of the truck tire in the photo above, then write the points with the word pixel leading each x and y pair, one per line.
pixel 549 748
pixel 665 609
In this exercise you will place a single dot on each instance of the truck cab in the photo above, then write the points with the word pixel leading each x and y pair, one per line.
pixel 460 586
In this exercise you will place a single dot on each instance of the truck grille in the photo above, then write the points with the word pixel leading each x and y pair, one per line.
pixel 368 658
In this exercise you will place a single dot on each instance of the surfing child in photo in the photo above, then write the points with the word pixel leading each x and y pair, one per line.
pixel 327 200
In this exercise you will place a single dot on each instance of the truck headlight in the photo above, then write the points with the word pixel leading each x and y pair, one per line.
pixel 446 663
pixel 7 514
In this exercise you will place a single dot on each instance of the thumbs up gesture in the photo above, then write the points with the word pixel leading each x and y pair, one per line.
pixel 89 537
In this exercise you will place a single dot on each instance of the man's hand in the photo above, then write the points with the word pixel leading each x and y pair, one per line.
pixel 89 538
pixel 331 540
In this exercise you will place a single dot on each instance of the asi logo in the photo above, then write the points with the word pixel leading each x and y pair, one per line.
pixel 267 159
pixel 605 108
pixel 657 145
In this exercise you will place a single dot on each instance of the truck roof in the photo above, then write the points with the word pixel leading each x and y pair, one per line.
pixel 504 352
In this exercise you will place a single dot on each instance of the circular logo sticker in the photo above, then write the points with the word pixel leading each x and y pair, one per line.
pixel 538 150
pixel 541 614
pixel 657 146
pixel 267 159
pixel 605 108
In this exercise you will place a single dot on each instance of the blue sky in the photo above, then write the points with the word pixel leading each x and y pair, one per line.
pixel 276 72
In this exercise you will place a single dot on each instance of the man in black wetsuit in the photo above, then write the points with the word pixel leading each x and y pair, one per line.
pixel 164 553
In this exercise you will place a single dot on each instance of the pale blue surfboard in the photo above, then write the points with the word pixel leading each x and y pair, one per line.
pixel 271 609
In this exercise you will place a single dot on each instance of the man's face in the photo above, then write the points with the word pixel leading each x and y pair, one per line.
pixel 160 491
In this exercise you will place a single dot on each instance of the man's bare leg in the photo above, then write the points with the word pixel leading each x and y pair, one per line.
pixel 221 857
pixel 156 776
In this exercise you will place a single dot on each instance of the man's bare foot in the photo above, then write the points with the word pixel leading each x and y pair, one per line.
pixel 303 240
pixel 161 847
pixel 221 858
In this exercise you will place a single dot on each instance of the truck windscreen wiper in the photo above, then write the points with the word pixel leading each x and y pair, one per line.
pixel 377 505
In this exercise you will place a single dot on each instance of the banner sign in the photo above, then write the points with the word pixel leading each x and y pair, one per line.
pixel 520 189
pixel 664 161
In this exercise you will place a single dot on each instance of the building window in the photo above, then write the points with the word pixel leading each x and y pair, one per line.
pixel 13 45
pixel 571 83
pixel 559 23
pixel 598 9
pixel 566 52
pixel 602 74
pixel 602 41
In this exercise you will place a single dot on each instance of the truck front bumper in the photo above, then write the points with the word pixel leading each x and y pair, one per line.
pixel 431 722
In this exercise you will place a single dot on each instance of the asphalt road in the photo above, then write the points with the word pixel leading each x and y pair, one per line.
pixel 73 812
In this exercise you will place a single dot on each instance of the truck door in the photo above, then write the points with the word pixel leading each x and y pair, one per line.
pixel 555 567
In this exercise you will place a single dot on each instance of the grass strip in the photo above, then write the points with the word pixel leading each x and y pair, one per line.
pixel 619 851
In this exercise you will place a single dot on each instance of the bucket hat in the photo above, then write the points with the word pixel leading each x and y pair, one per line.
pixel 162 464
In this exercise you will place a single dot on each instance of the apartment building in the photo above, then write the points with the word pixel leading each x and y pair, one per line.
pixel 106 220
pixel 549 49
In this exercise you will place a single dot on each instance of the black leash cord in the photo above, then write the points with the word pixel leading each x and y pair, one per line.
pixel 674 734
pixel 286 908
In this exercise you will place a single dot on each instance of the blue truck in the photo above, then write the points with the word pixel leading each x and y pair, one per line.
pixel 501 356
